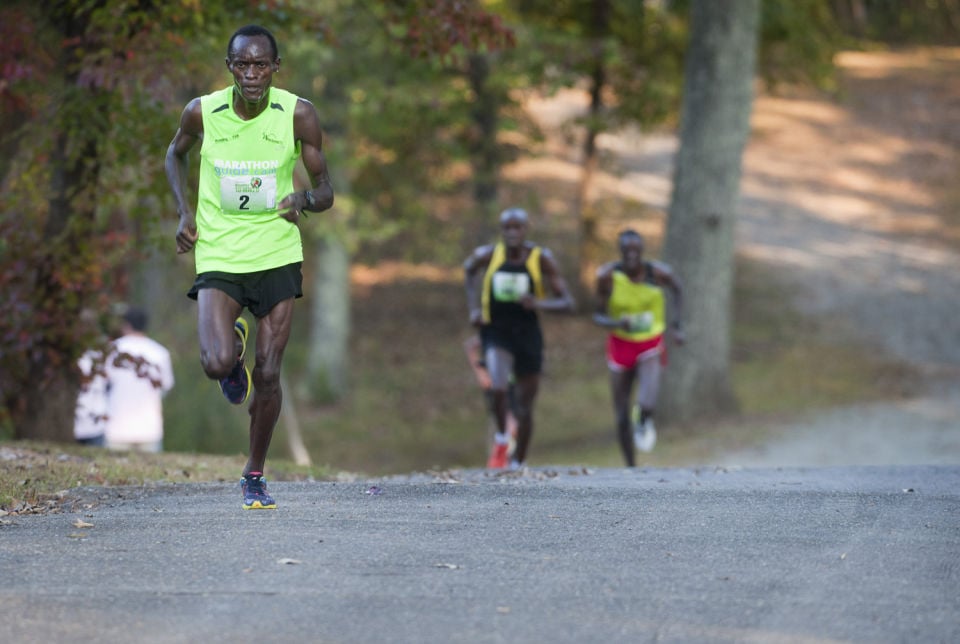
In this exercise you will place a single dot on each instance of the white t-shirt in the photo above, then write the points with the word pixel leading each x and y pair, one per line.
pixel 140 372
pixel 90 418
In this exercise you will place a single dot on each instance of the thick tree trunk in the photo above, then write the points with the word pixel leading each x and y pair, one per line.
pixel 715 123
pixel 330 321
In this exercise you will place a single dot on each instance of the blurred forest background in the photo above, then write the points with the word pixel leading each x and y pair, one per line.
pixel 432 112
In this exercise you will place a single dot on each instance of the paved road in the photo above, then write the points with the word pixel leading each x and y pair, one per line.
pixel 858 554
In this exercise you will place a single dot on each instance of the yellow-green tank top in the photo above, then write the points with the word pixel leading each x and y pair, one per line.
pixel 643 302
pixel 246 168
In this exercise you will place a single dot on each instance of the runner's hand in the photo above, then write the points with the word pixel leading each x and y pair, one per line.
pixel 187 234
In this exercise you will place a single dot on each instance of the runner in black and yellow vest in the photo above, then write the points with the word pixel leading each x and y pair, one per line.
pixel 507 284
pixel 632 304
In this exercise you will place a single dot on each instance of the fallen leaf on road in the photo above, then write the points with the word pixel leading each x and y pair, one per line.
pixel 288 561
pixel 448 566
pixel 80 523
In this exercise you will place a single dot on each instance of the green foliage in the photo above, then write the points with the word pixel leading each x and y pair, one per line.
pixel 932 22
pixel 394 99
pixel 638 46
pixel 93 91
pixel 90 100
pixel 798 40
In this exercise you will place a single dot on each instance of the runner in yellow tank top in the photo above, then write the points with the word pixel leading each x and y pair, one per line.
pixel 245 228
pixel 632 305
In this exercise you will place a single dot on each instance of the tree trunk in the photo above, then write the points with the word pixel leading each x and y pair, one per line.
pixel 715 124
pixel 587 234
pixel 484 154
pixel 50 410
pixel 291 426
pixel 330 321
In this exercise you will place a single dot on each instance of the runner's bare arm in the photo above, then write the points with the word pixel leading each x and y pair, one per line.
pixel 473 268
pixel 176 166
pixel 319 196
pixel 562 299
pixel 603 291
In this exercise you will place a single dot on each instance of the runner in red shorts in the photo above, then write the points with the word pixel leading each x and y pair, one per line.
pixel 631 303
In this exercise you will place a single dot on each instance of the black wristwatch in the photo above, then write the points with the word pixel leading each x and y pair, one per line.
pixel 311 201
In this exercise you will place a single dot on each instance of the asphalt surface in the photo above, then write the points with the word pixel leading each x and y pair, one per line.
pixel 853 554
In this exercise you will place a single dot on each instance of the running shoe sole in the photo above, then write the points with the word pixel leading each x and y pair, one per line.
pixel 259 500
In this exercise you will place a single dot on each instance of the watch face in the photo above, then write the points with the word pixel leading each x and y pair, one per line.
pixel 311 202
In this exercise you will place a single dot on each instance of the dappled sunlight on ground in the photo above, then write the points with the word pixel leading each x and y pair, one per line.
pixel 363 278
pixel 878 64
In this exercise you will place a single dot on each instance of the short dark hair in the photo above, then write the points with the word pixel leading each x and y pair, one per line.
pixel 514 213
pixel 629 233
pixel 136 318
pixel 254 30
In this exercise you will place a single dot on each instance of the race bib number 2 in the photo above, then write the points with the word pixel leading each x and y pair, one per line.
pixel 248 193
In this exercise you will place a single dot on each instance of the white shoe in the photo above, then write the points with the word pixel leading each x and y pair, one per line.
pixel 645 437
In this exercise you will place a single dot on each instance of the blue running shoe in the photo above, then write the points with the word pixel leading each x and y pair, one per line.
pixel 255 496
pixel 237 385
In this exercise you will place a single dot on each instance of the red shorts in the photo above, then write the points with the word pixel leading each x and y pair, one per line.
pixel 625 354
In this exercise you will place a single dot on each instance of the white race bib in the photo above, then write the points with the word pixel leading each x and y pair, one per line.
pixel 510 287
pixel 256 193
pixel 641 322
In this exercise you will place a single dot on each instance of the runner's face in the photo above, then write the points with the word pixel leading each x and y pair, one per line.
pixel 631 252
pixel 514 232
pixel 252 64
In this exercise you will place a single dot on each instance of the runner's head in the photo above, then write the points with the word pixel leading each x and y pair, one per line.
pixel 252 58
pixel 254 30
pixel 513 226
pixel 631 249
pixel 136 319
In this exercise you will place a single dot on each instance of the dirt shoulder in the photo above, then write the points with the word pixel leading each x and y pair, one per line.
pixel 853 202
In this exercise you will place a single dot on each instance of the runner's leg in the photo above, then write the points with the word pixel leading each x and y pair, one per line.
pixel 527 387
pixel 621 383
pixel 273 332
pixel 216 314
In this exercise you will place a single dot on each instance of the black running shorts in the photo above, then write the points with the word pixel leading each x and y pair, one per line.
pixel 259 292
pixel 523 341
